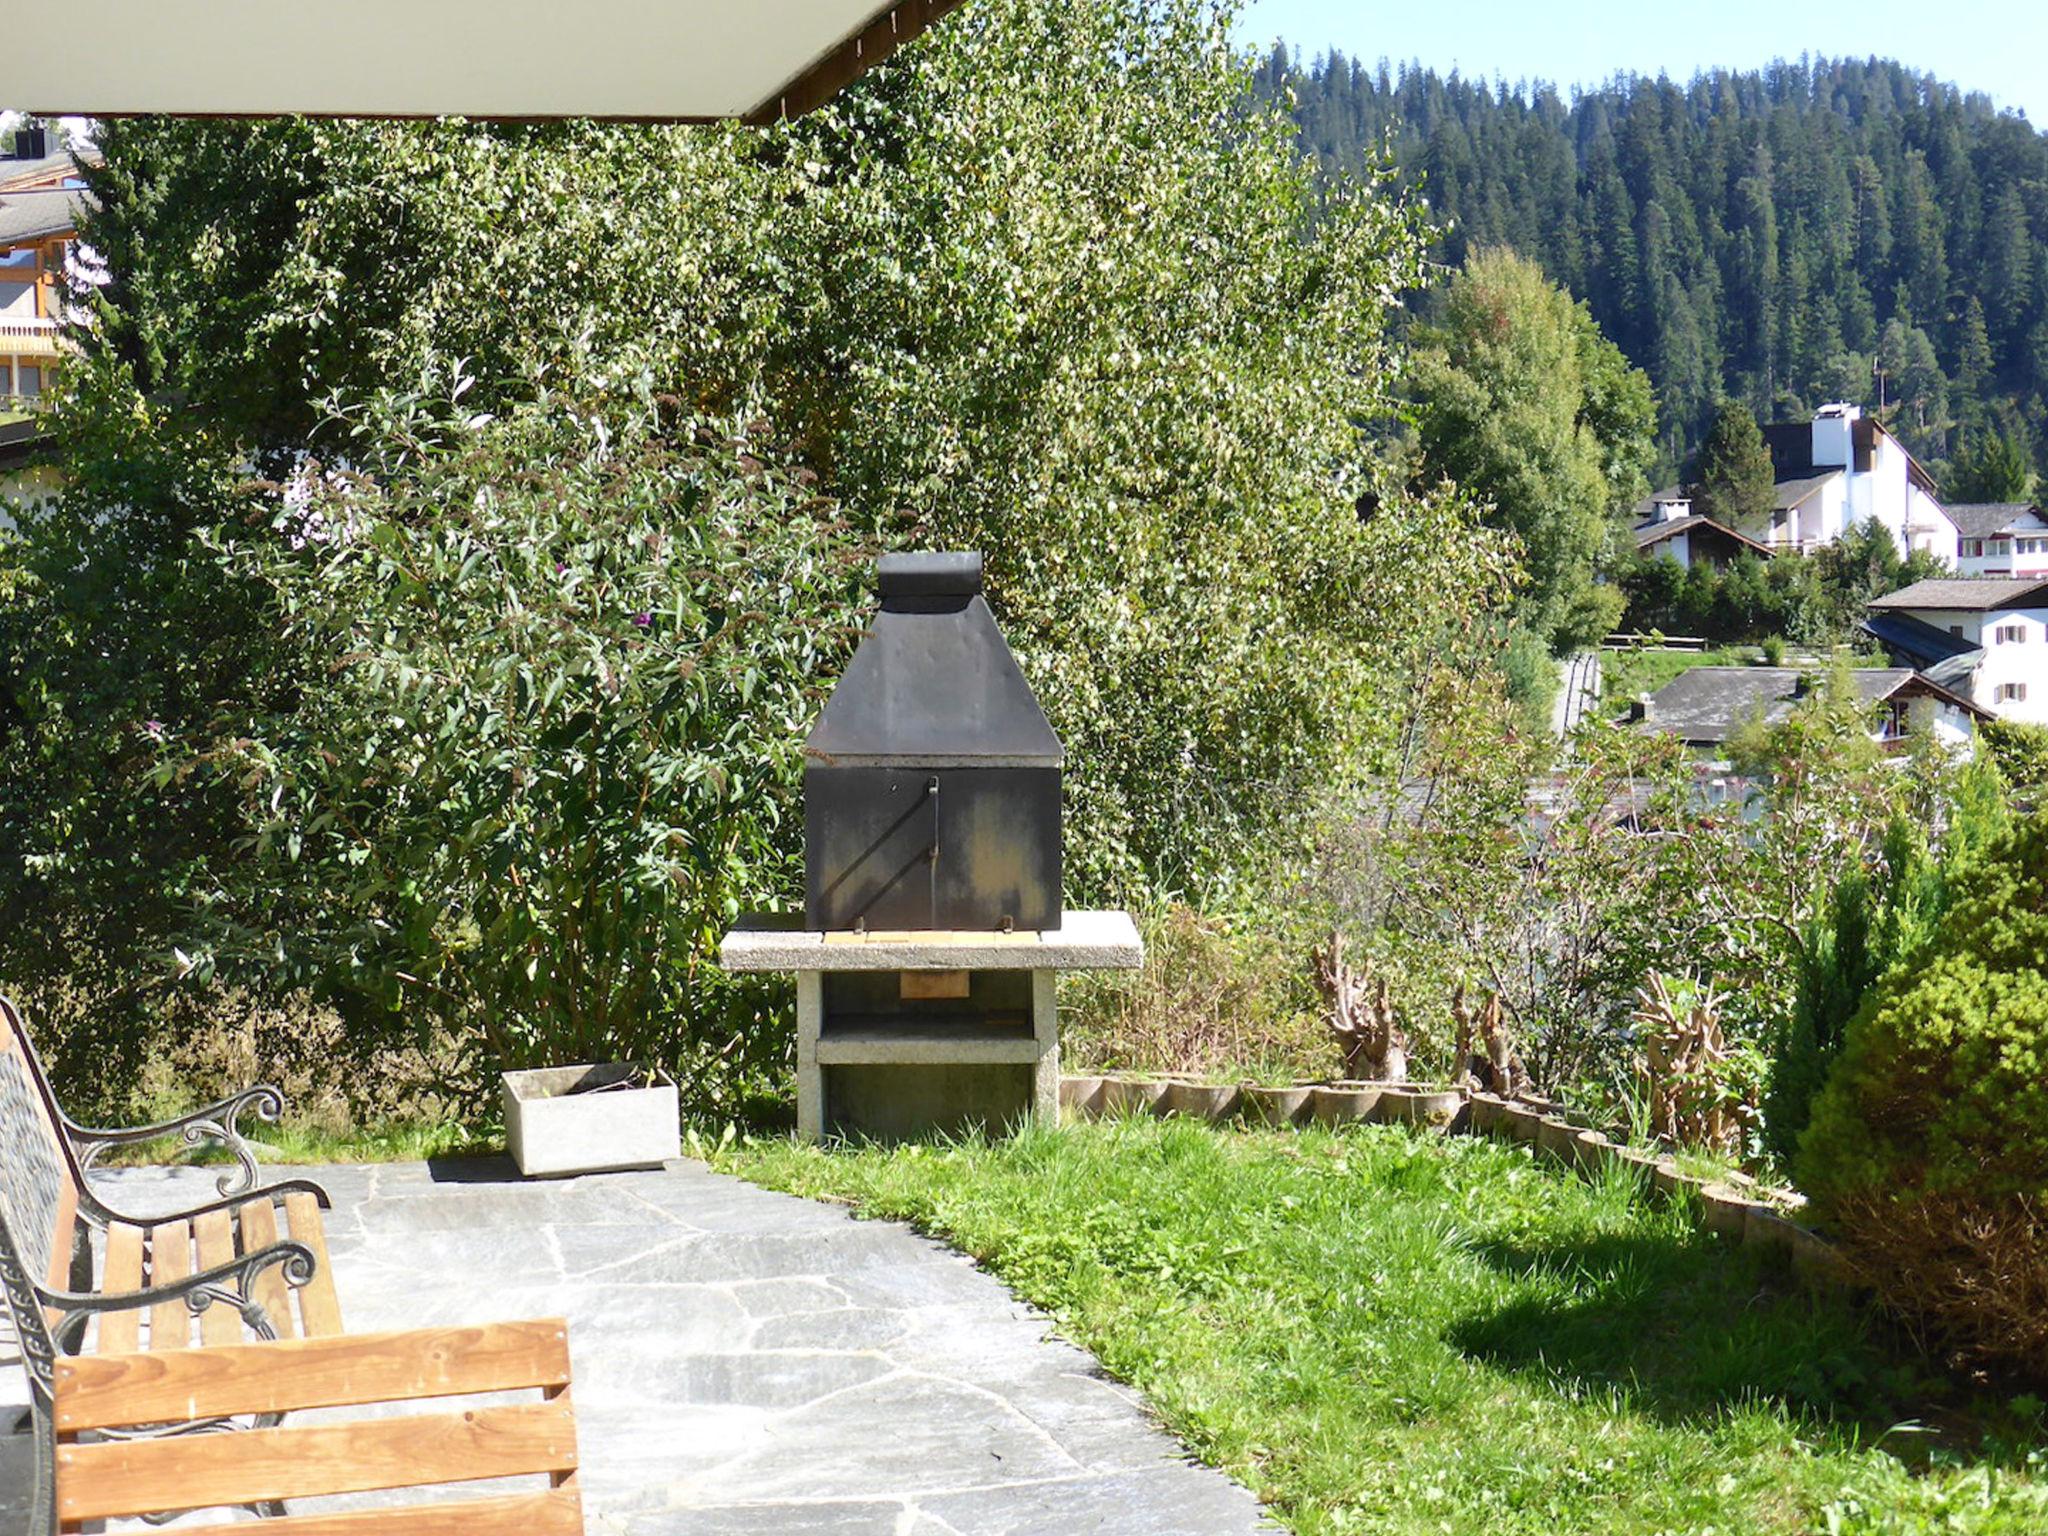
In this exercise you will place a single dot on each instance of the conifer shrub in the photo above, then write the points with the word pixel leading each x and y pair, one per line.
pixel 1927 1154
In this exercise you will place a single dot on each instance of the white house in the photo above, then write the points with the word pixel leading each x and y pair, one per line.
pixel 1705 706
pixel 1984 637
pixel 1833 472
pixel 1844 468
pixel 1667 525
pixel 2001 538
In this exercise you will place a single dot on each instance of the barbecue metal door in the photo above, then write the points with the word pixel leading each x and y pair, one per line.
pixel 968 848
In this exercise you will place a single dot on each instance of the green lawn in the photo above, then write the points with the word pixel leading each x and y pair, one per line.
pixel 1383 1332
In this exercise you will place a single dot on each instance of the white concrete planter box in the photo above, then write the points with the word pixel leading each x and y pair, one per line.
pixel 563 1120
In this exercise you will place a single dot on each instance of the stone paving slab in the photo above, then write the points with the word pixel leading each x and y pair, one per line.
pixel 751 1363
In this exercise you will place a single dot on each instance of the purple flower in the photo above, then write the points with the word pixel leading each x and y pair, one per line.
pixel 643 620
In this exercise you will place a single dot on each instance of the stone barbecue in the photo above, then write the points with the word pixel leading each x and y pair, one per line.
pixel 933 928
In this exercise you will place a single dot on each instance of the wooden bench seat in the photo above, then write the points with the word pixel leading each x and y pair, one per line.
pixel 81 1255
pixel 138 1258
pixel 119 1478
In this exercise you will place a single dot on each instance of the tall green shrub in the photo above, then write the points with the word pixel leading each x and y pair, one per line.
pixel 2020 749
pixel 569 662
pixel 1053 281
pixel 1928 1149
pixel 1875 917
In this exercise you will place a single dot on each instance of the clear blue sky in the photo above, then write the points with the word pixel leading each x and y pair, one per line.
pixel 1999 47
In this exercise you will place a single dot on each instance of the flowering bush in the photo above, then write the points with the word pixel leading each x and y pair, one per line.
pixel 568 673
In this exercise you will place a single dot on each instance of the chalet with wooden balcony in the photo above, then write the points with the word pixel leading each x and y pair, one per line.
pixel 41 193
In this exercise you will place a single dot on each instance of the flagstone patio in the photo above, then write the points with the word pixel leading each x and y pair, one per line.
pixel 750 1362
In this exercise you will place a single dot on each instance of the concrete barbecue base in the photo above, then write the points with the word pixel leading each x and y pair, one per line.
pixel 863 1070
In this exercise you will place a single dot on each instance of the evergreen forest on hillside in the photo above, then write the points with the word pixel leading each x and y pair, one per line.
pixel 1817 230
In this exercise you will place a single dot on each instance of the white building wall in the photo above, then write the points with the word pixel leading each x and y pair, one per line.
pixel 1820 519
pixel 1884 492
pixel 2021 662
pixel 2021 550
pixel 1927 526
pixel 1950 726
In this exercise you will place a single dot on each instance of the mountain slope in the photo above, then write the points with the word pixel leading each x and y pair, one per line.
pixel 1813 231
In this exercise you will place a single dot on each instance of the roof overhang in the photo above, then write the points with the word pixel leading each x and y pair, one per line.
pixel 1921 683
pixel 1697 522
pixel 636 60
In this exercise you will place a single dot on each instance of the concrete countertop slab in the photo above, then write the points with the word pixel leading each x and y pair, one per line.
pixel 1085 941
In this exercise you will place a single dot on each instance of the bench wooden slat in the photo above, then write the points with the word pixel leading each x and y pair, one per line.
pixel 558 1512
pixel 214 1234
pixel 121 1331
pixel 136 1477
pixel 319 1307
pixel 117 1391
pixel 259 1231
pixel 170 1258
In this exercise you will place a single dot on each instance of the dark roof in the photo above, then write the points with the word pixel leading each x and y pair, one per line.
pixel 1646 509
pixel 1791 492
pixel 1957 671
pixel 1981 519
pixel 58 162
pixel 1656 531
pixel 1707 705
pixel 1969 594
pixel 37 214
pixel 23 442
pixel 1918 641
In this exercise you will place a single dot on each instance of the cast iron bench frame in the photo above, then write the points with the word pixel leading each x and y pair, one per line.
pixel 175 1267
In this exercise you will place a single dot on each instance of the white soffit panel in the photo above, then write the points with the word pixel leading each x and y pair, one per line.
pixel 686 60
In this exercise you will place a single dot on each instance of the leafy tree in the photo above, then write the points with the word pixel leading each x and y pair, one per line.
pixel 1864 563
pixel 1733 481
pixel 1080 365
pixel 1063 365
pixel 1522 402
pixel 556 751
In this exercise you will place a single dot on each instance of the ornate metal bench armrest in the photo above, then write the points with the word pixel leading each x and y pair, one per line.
pixel 215 1123
pixel 96 1210
pixel 233 1283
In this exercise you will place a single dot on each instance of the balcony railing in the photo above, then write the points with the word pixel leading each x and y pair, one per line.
pixel 30 336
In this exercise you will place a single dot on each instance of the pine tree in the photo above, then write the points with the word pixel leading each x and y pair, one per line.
pixel 2008 269
pixel 1973 362
pixel 1734 483
pixel 1988 467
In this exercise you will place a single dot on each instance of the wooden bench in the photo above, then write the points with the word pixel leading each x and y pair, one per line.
pixel 252 1264
pixel 153 1279
pixel 266 1466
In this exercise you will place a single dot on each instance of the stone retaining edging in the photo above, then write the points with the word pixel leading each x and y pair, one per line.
pixel 1730 1204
